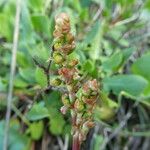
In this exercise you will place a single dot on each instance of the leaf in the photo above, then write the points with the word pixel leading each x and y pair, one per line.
pixel 27 35
pixel 107 108
pixel 127 53
pixel 53 104
pixel 142 66
pixel 92 34
pixel 106 101
pixel 88 66
pixel 93 39
pixel 19 82
pixel 40 53
pixel 37 112
pixel 22 60
pixel 36 6
pixel 2 85
pixel 132 84
pixel 17 140
pixel 52 100
pixel 147 5
pixel 40 77
pixel 41 24
pixel 56 122
pixel 98 140
pixel 6 27
pixel 113 63
pixel 95 49
pixel 117 60
pixel 36 130
pixel 27 74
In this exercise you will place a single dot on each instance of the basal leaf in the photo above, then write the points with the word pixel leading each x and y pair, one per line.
pixel 40 77
pixel 36 130
pixel 37 112
pixel 132 84
pixel 142 66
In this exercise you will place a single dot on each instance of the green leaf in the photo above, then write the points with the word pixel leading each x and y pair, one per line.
pixel 41 24
pixel 127 53
pixel 56 122
pixel 53 104
pixel 117 60
pixel 6 27
pixel 22 60
pixel 142 66
pixel 52 100
pixel 97 142
pixel 37 112
pixel 106 101
pixel 88 66
pixel 17 140
pixel 147 5
pixel 40 77
pixel 2 85
pixel 132 84
pixel 92 33
pixel 27 35
pixel 113 63
pixel 95 42
pixel 36 6
pixel 36 130
pixel 19 82
pixel 27 74
pixel 41 53
pixel 93 39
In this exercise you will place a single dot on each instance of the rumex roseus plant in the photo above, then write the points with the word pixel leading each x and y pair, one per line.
pixel 82 94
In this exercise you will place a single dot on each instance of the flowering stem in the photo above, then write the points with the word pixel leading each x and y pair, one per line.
pixel 80 98
pixel 76 143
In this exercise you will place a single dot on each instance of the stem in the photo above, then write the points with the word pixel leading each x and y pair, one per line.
pixel 76 143
pixel 12 73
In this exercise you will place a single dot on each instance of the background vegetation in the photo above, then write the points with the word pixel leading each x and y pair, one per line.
pixel 112 44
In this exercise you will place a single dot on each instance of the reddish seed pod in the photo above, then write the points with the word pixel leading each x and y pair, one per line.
pixel 63 109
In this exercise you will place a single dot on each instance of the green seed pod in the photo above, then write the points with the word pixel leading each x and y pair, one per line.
pixel 56 82
pixel 57 46
pixel 79 119
pixel 58 58
pixel 88 114
pixel 66 102
pixel 79 105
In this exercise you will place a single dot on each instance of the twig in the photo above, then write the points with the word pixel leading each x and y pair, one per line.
pixel 117 130
pixel 45 90
pixel 60 142
pixel 39 65
pixel 49 66
pixel 128 20
pixel 98 13
pixel 22 117
pixel 120 127
pixel 45 141
pixel 12 72
pixel 115 42
pixel 45 69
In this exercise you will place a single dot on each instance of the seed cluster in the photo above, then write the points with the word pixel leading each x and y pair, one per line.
pixel 80 98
